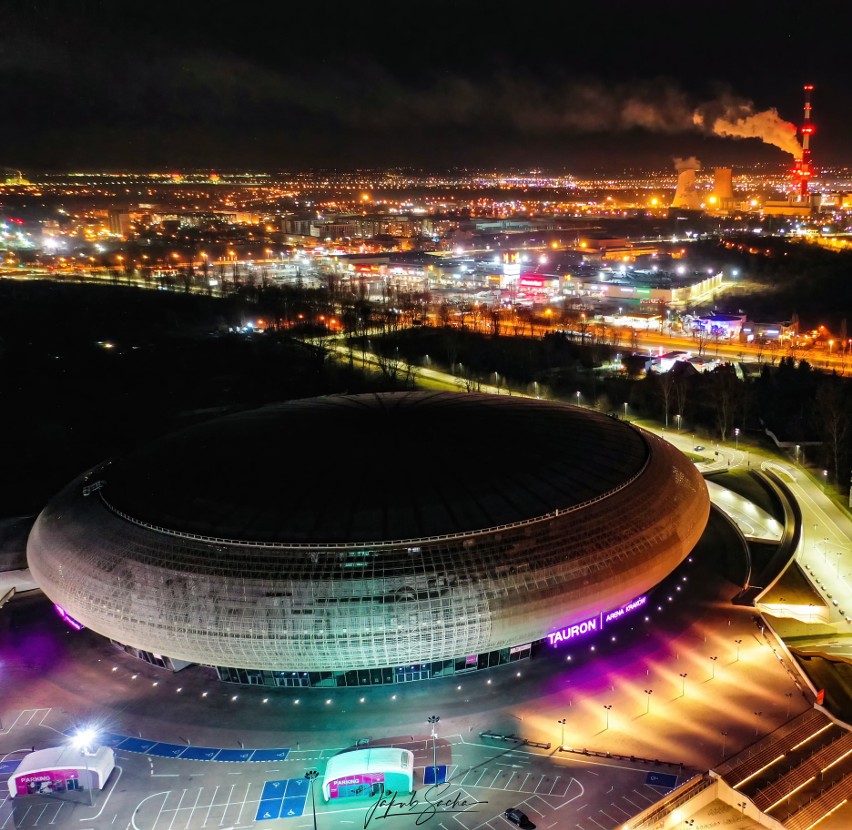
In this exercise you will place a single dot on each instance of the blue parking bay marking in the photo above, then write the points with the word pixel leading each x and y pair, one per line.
pixel 8 767
pixel 297 787
pixel 268 809
pixel 189 753
pixel 282 799
pixel 166 750
pixel 270 754
pixel 198 753
pixel 234 755
pixel 292 807
pixel 136 745
pixel 273 789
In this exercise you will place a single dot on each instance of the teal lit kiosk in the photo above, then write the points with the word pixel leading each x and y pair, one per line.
pixel 366 773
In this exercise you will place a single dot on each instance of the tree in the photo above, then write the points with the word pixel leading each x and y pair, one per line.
pixel 725 393
pixel 834 421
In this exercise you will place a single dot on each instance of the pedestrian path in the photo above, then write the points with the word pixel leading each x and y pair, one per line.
pixel 190 753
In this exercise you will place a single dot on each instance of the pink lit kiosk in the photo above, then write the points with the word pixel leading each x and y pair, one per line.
pixel 62 769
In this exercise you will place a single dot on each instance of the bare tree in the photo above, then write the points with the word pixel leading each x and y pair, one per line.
pixel 666 386
pixel 834 420
pixel 725 391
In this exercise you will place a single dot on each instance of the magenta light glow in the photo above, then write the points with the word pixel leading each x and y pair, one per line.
pixel 594 624
pixel 77 626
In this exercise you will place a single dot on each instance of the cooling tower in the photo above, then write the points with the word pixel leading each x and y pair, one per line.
pixel 686 196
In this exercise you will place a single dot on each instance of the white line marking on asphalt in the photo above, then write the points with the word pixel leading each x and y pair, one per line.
pixel 167 793
pixel 211 806
pixel 621 808
pixel 57 813
pixel 197 799
pixel 108 796
pixel 242 807
pixel 227 804
pixel 182 795
pixel 642 795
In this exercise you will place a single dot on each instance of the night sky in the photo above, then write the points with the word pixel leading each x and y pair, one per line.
pixel 606 85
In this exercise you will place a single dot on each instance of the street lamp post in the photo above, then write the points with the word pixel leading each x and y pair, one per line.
pixel 83 741
pixel 789 696
pixel 713 675
pixel 737 436
pixel 738 644
pixel 607 706
pixel 683 677
pixel 433 720
pixel 625 410
pixel 578 397
pixel 648 693
pixel 562 724
pixel 757 722
pixel 724 734
pixel 312 775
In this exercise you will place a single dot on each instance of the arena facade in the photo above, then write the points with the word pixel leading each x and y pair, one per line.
pixel 356 540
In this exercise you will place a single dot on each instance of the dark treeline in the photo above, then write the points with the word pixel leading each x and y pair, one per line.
pixel 792 400
pixel 68 400
pixel 802 279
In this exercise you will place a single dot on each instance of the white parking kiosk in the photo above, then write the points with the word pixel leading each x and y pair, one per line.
pixel 363 773
pixel 59 769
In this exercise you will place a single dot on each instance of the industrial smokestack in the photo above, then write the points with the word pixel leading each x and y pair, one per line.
pixel 802 171
pixel 686 196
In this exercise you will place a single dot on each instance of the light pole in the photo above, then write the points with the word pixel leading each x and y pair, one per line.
pixel 683 683
pixel 757 722
pixel 562 724
pixel 824 480
pixel 578 397
pixel 713 675
pixel 678 419
pixel 648 693
pixel 625 410
pixel 737 436
pixel 607 706
pixel 738 643
pixel 433 720
pixel 312 776
pixel 83 741
pixel 789 696
pixel 724 734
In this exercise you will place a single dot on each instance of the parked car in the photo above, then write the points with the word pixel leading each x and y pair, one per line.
pixel 520 818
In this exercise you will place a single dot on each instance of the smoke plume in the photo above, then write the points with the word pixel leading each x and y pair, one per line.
pixel 768 126
pixel 737 119
pixel 690 163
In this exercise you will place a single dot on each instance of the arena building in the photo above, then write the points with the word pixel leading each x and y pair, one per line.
pixel 367 539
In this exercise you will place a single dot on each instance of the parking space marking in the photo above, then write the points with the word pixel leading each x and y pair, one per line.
pixel 182 796
pixel 197 799
pixel 227 804
pixel 40 814
pixel 642 795
pixel 210 806
pixel 53 820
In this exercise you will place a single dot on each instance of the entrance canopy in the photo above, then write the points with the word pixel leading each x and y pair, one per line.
pixel 62 768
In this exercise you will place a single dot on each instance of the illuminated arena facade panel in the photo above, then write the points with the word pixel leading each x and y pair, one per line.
pixel 364 536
